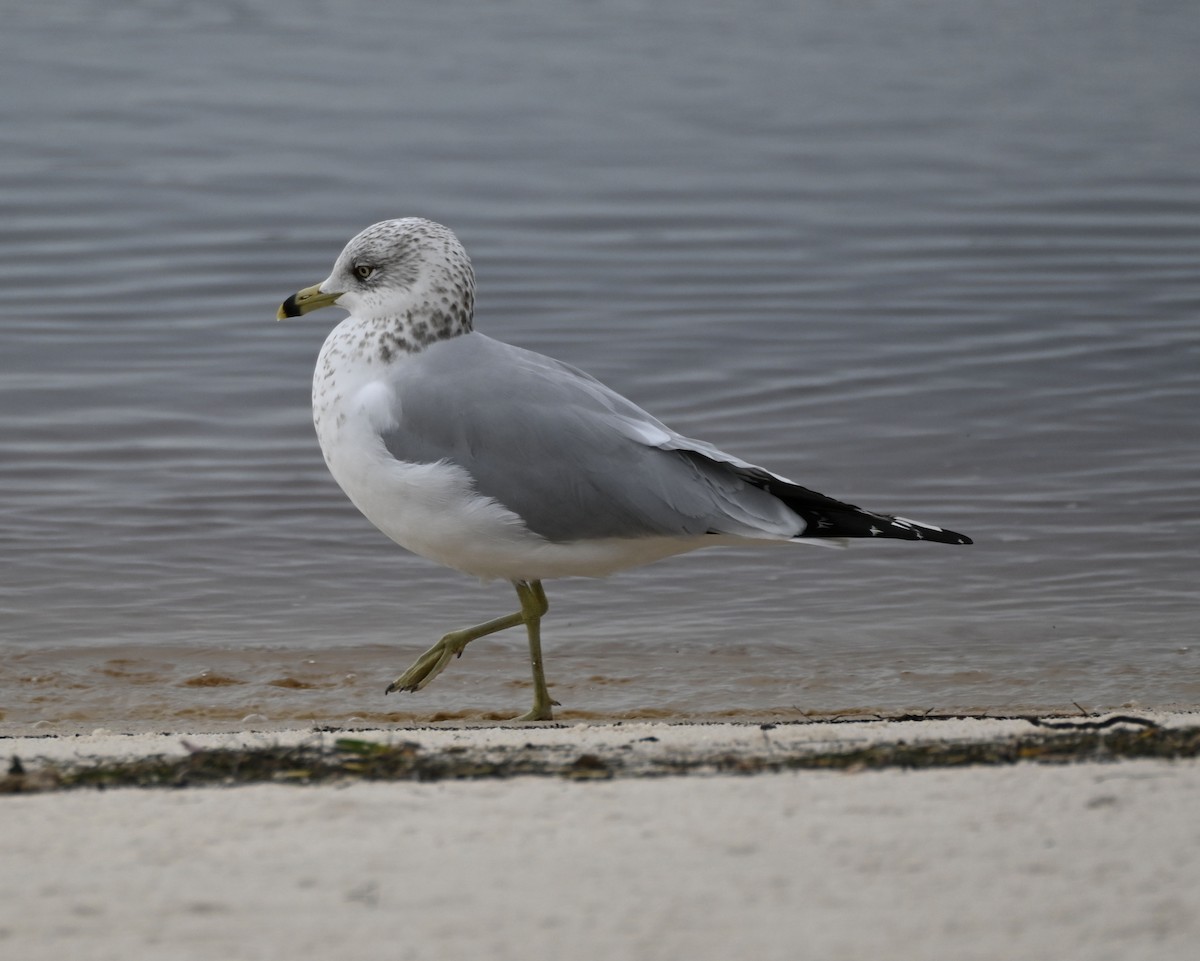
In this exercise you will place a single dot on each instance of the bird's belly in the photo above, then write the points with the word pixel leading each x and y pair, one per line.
pixel 433 511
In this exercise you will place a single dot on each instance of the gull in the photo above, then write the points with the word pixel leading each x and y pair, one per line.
pixel 503 463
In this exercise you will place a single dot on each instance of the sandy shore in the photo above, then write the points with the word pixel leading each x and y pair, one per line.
pixel 1055 861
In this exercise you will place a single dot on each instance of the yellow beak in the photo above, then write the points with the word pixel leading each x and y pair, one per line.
pixel 302 301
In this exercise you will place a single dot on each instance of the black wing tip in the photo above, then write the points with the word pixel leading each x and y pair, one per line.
pixel 825 516
pixel 859 523
pixel 946 537
pixel 915 530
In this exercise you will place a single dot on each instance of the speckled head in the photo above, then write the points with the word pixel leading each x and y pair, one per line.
pixel 408 280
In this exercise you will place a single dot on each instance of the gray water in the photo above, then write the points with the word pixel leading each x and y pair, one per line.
pixel 934 258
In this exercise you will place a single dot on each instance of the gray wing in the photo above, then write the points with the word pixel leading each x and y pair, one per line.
pixel 572 458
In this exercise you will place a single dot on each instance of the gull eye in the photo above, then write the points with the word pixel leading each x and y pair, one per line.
pixel 363 271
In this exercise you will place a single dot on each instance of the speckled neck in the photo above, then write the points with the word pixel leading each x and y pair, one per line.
pixel 419 327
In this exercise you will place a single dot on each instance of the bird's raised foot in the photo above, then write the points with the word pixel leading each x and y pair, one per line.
pixel 430 664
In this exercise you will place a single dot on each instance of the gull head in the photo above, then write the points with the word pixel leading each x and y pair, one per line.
pixel 408 277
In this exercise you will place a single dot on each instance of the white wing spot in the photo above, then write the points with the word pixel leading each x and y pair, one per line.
pixel 912 523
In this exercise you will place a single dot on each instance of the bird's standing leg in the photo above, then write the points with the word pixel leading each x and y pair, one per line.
pixel 430 664
pixel 533 606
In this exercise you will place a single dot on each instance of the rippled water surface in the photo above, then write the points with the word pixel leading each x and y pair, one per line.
pixel 937 259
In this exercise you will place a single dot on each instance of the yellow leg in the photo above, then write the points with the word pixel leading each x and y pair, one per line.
pixel 430 664
pixel 533 606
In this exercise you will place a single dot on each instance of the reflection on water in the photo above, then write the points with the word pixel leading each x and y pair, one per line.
pixel 925 261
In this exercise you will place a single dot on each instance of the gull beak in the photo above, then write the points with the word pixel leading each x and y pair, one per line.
pixel 302 301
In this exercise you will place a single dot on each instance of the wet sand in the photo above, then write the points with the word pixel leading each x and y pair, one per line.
pixel 1032 860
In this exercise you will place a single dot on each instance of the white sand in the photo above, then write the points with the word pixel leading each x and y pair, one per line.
pixel 1095 861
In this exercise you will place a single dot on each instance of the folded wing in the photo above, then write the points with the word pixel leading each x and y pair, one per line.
pixel 577 461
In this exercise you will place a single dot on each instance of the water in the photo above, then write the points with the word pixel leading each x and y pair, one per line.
pixel 932 258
